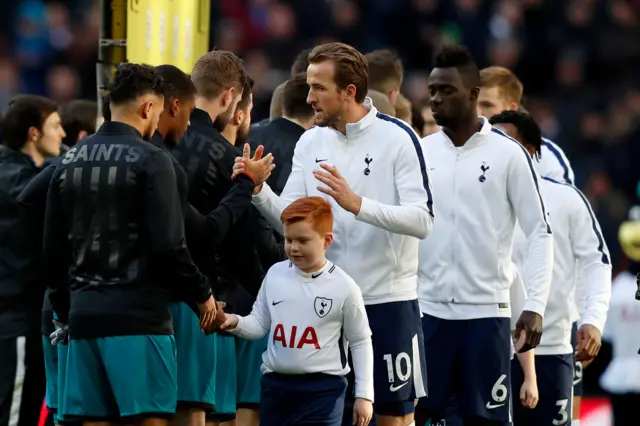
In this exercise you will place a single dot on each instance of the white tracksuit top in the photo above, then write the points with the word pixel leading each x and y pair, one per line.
pixel 381 159
pixel 481 189
pixel 579 251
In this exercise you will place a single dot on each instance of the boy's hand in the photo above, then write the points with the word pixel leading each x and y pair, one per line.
pixel 362 412
pixel 529 394
pixel 230 323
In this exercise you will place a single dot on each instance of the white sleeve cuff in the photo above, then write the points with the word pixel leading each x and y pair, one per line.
pixel 534 306
pixel 368 209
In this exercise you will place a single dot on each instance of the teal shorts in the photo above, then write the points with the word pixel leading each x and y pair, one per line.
pixel 196 359
pixel 51 369
pixel 113 377
pixel 225 375
pixel 249 359
pixel 63 352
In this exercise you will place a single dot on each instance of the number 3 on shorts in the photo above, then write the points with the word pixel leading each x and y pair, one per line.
pixel 563 415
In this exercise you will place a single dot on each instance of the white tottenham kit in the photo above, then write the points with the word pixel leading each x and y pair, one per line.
pixel 311 320
pixel 483 187
pixel 381 159
pixel 579 250
pixel 622 375
pixel 553 163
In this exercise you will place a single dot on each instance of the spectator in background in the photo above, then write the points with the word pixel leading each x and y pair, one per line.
pixel 281 135
pixel 430 125
pixel 385 73
pixel 79 119
pixel 403 108
pixel 382 102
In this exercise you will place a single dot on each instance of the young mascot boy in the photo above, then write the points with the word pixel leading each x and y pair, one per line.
pixel 311 310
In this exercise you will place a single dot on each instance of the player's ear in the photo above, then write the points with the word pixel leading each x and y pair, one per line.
pixel 174 107
pixel 350 91
pixel 227 96
pixel 238 117
pixel 145 109
pixel 328 239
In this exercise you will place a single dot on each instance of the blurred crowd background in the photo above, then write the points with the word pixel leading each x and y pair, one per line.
pixel 579 61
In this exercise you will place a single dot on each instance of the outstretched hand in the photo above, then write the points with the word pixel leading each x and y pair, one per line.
pixel 258 167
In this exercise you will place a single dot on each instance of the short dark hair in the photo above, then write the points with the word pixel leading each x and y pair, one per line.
pixel 217 71
pixel 133 81
pixel 385 70
pixel 247 87
pixel 458 56
pixel 295 97
pixel 177 84
pixel 106 107
pixel 22 113
pixel 526 125
pixel 351 66
pixel 77 116
pixel 301 63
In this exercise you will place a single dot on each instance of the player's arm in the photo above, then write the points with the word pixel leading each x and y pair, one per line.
pixel 414 216
pixel 358 334
pixel 269 204
pixel 213 227
pixel 32 201
pixel 593 290
pixel 257 324
pixel 270 248
pixel 56 252
pixel 525 196
pixel 165 222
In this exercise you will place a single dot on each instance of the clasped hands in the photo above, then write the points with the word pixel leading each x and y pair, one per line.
pixel 336 185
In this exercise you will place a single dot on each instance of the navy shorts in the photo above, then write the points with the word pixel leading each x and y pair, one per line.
pixel 453 418
pixel 555 387
pixel 302 399
pixel 399 373
pixel 468 360
pixel 577 365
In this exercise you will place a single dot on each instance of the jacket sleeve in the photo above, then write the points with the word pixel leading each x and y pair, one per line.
pixel 593 288
pixel 518 296
pixel 56 253
pixel 525 196
pixel 165 221
pixel 414 216
pixel 212 228
pixel 269 204
pixel 257 324
pixel 32 201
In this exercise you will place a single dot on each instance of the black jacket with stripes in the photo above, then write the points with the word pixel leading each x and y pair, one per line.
pixel 114 237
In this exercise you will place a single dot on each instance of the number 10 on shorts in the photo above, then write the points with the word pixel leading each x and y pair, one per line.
pixel 402 365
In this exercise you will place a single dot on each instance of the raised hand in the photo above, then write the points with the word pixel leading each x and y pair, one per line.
pixel 258 167
pixel 338 188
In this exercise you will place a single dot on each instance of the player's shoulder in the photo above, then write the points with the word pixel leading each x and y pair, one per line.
pixel 393 127
pixel 561 190
pixel 336 273
pixel 505 144
pixel 280 268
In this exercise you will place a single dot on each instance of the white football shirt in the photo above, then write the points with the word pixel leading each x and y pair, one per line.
pixel 311 319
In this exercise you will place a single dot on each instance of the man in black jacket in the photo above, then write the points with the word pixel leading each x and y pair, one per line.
pixel 113 237
pixel 78 121
pixel 32 132
pixel 280 135
pixel 197 352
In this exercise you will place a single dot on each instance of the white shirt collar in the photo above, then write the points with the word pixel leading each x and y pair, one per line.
pixel 353 129
pixel 327 268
